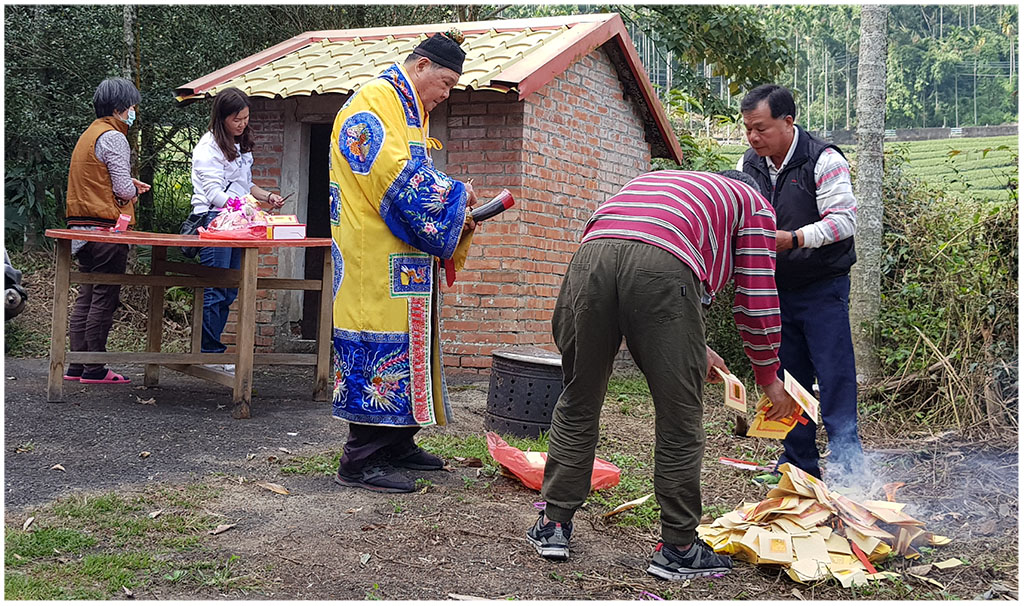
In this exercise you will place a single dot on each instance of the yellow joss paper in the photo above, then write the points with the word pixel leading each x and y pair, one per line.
pixel 807 571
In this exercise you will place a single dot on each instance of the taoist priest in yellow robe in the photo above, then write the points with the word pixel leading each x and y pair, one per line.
pixel 395 221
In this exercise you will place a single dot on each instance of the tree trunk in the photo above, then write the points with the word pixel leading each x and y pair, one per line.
pixel 865 297
pixel 146 207
pixel 130 69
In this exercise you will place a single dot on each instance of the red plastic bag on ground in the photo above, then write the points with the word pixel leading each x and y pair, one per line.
pixel 529 467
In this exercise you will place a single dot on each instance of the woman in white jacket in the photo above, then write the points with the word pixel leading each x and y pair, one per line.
pixel 221 170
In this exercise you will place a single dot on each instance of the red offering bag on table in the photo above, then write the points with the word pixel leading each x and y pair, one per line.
pixel 529 466
pixel 241 219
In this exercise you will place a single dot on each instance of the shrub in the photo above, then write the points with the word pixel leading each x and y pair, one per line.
pixel 948 321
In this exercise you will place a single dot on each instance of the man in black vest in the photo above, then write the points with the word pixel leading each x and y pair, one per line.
pixel 808 182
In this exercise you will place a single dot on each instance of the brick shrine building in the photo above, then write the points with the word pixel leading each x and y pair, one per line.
pixel 557 110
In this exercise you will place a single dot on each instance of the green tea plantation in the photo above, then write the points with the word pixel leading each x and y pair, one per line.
pixel 981 167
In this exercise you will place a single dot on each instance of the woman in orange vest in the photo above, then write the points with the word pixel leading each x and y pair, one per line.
pixel 100 189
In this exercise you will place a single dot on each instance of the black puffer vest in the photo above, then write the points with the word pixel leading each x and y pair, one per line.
pixel 795 199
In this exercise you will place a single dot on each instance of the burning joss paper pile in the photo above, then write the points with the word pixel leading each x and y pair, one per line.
pixel 814 533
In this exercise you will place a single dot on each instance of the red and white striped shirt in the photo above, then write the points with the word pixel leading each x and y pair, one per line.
pixel 721 228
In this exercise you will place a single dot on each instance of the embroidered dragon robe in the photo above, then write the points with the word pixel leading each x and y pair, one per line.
pixel 393 217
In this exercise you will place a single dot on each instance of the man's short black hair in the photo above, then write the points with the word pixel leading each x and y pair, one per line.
pixel 780 100
pixel 114 95
pixel 741 177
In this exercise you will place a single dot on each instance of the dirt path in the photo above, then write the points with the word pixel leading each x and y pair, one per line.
pixel 461 536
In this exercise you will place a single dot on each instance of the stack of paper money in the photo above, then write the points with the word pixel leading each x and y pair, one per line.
pixel 814 532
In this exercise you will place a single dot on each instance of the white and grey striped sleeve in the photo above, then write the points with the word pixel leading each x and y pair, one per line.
pixel 836 203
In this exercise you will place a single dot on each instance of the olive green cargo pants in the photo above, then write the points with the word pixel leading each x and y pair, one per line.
pixel 622 288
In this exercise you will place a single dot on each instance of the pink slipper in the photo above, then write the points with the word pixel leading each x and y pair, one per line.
pixel 72 377
pixel 112 377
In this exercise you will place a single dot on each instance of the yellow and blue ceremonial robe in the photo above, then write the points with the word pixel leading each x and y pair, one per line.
pixel 393 216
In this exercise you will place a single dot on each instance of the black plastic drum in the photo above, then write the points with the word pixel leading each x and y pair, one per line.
pixel 525 384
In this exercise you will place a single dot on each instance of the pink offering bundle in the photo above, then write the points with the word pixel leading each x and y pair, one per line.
pixel 241 219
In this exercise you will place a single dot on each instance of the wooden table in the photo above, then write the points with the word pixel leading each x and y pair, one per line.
pixel 165 273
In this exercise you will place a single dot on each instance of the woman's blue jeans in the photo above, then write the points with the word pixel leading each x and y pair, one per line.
pixel 217 301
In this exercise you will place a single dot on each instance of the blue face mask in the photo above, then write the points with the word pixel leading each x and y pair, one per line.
pixel 131 117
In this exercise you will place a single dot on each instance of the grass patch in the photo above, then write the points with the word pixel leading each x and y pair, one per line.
pixel 323 464
pixel 633 385
pixel 42 543
pixel 475 446
pixel 90 546
pixel 630 395
pixel 24 338
pixel 635 481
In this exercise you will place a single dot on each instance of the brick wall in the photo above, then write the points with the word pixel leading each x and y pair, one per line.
pixel 267 121
pixel 561 152
pixel 482 309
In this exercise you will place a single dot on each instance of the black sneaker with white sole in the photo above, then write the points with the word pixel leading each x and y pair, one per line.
pixel 700 560
pixel 551 540
pixel 378 478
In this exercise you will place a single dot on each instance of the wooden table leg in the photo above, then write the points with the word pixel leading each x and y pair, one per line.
pixel 59 327
pixel 155 321
pixel 197 319
pixel 246 340
pixel 324 331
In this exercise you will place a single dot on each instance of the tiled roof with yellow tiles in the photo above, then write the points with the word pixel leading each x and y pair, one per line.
pixel 516 55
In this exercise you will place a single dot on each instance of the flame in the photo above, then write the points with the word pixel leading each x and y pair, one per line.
pixel 890 490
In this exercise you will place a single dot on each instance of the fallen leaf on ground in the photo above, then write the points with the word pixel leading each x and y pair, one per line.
pixel 473 462
pixel 149 402
pixel 273 487
pixel 250 456
pixel 372 527
pixel 797 594
pixel 17 556
pixel 921 569
pixel 58 467
pixel 628 505
pixel 127 592
pixel 144 454
pixel 928 580
pixel 459 596
pixel 28 523
pixel 987 527
pixel 353 510
pixel 222 528
pixel 284 450
pixel 1004 510
pixel 950 563
pixel 883 575
pixel 154 514
pixel 364 558
pixel 272 459
pixel 938 539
